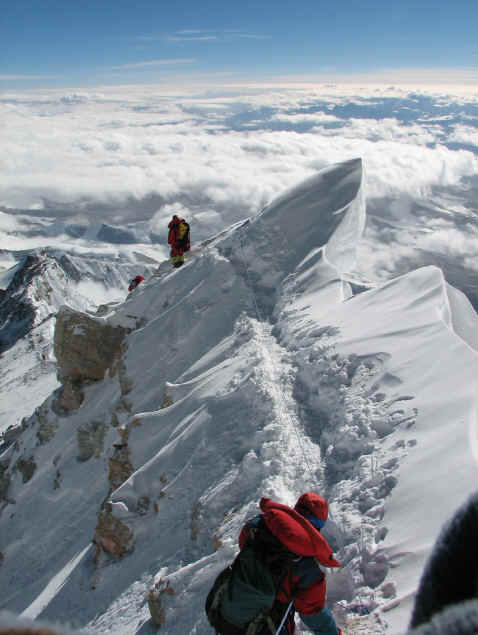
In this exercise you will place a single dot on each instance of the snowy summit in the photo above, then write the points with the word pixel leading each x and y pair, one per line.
pixel 265 366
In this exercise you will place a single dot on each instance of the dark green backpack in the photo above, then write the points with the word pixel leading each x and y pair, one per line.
pixel 243 597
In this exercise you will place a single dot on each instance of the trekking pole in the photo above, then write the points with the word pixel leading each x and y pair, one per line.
pixel 284 618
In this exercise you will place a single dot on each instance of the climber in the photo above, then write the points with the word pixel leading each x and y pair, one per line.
pixel 135 282
pixel 277 572
pixel 178 238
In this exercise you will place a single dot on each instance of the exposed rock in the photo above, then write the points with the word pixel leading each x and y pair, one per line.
pixel 27 467
pixel 103 309
pixel 17 312
pixel 5 479
pixel 156 597
pixel 112 536
pixel 47 424
pixel 195 520
pixel 216 543
pixel 85 347
pixel 90 439
pixel 120 466
pixel 123 406
pixel 57 481
pixel 166 401
pixel 69 397
pixel 11 434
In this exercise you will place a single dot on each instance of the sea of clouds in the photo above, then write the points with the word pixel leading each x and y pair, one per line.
pixel 130 154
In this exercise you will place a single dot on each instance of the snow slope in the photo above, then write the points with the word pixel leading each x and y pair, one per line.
pixel 257 369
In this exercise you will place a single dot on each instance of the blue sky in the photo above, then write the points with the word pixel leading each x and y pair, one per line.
pixel 51 42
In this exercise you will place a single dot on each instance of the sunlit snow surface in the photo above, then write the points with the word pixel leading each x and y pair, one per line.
pixel 264 366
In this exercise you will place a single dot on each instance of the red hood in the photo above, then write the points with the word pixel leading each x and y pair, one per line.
pixel 296 533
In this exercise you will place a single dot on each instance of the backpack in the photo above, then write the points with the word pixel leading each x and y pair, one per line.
pixel 242 600
pixel 182 231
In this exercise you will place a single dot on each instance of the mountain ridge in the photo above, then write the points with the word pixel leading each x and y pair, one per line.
pixel 252 370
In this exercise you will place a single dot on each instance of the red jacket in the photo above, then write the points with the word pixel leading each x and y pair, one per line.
pixel 134 282
pixel 306 586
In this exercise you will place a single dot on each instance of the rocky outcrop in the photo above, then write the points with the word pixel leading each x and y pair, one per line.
pixel 69 397
pixel 156 597
pixel 120 466
pixel 27 467
pixel 90 438
pixel 85 348
pixel 112 536
pixel 5 479
pixel 47 423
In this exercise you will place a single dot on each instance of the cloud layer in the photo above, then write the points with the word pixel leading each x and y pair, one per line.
pixel 223 150
pixel 127 154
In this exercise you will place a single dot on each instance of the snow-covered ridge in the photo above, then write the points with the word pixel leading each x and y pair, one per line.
pixel 253 370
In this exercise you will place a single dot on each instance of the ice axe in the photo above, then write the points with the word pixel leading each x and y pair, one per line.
pixel 284 618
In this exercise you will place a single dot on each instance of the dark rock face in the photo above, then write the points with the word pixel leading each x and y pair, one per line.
pixel 17 312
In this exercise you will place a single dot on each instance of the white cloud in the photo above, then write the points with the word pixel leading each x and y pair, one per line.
pixel 465 135
pixel 188 37
pixel 198 35
pixel 151 64
pixel 299 118
pixel 214 152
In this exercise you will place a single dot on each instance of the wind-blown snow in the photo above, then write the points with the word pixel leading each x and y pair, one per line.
pixel 261 368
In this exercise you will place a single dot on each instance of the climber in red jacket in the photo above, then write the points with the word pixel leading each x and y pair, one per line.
pixel 298 529
pixel 178 238
pixel 135 282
